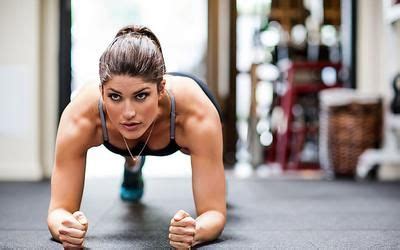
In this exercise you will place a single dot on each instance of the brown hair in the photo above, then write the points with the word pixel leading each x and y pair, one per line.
pixel 135 51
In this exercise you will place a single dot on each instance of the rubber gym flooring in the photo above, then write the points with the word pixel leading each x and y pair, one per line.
pixel 262 214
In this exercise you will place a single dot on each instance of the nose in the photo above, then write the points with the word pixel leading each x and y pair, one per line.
pixel 129 111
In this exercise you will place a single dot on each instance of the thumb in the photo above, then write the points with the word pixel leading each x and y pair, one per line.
pixel 180 215
pixel 79 216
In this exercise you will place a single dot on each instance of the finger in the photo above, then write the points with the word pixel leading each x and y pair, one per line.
pixel 179 244
pixel 71 222
pixel 71 240
pixel 180 215
pixel 71 246
pixel 186 222
pixel 80 216
pixel 191 231
pixel 72 232
pixel 181 238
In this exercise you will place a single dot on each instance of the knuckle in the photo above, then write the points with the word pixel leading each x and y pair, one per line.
pixel 64 222
pixel 62 231
pixel 77 213
pixel 67 245
pixel 189 240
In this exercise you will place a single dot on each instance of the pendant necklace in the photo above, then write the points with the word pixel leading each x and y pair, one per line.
pixel 135 158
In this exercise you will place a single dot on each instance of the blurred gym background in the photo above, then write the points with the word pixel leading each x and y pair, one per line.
pixel 308 87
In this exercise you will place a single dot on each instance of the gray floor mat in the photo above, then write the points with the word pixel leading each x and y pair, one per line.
pixel 262 214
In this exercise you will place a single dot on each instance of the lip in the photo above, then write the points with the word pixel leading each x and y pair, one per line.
pixel 130 126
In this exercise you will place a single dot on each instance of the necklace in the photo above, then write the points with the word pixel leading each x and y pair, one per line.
pixel 135 158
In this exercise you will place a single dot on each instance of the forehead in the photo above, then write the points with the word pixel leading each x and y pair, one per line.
pixel 127 83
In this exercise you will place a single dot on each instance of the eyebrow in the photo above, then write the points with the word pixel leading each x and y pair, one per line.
pixel 136 92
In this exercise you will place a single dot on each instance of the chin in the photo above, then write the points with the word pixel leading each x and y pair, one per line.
pixel 132 135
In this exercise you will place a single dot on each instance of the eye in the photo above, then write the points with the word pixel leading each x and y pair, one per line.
pixel 141 96
pixel 114 97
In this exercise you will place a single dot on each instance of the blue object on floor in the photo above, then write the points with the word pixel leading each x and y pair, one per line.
pixel 132 187
pixel 131 194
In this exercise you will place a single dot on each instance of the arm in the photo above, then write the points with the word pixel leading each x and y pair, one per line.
pixel 68 176
pixel 208 182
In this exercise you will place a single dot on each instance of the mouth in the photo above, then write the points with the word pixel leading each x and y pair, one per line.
pixel 130 126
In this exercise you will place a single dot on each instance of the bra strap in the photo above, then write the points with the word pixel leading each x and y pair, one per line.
pixel 103 120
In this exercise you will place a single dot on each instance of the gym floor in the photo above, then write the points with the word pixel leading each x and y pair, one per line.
pixel 262 213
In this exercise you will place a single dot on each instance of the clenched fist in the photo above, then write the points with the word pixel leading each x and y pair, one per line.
pixel 182 230
pixel 73 230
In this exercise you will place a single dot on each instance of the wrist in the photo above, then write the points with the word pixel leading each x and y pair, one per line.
pixel 198 234
pixel 209 226
pixel 54 220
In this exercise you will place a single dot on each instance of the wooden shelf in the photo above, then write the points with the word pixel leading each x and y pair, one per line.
pixel 288 154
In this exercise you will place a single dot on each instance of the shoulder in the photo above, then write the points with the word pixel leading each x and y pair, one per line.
pixel 190 99
pixel 202 131
pixel 197 117
pixel 78 123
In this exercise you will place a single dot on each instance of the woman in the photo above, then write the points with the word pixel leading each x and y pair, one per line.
pixel 138 110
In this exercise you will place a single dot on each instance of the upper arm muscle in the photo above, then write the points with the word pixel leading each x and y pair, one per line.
pixel 68 175
pixel 205 144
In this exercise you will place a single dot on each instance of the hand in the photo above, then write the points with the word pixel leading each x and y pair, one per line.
pixel 182 230
pixel 73 230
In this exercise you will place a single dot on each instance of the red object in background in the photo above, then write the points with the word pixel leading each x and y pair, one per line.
pixel 302 78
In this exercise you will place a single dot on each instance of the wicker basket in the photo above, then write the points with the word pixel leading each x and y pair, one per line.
pixel 352 129
pixel 346 131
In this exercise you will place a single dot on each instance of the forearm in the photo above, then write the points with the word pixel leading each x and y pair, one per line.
pixel 54 220
pixel 209 226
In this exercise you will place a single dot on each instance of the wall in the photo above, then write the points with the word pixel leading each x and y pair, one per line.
pixel 378 48
pixel 28 82
pixel 48 82
pixel 378 61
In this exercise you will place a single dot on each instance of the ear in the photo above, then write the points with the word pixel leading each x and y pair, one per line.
pixel 161 88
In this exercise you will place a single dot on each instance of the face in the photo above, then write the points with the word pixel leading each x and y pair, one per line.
pixel 131 104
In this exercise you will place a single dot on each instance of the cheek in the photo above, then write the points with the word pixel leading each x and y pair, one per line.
pixel 113 110
pixel 150 107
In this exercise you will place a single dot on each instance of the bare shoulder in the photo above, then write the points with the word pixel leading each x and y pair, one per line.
pixel 191 100
pixel 78 124
pixel 197 117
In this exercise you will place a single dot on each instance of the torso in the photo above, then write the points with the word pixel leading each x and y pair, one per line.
pixel 190 101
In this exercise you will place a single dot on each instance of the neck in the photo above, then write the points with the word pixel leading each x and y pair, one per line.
pixel 164 106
